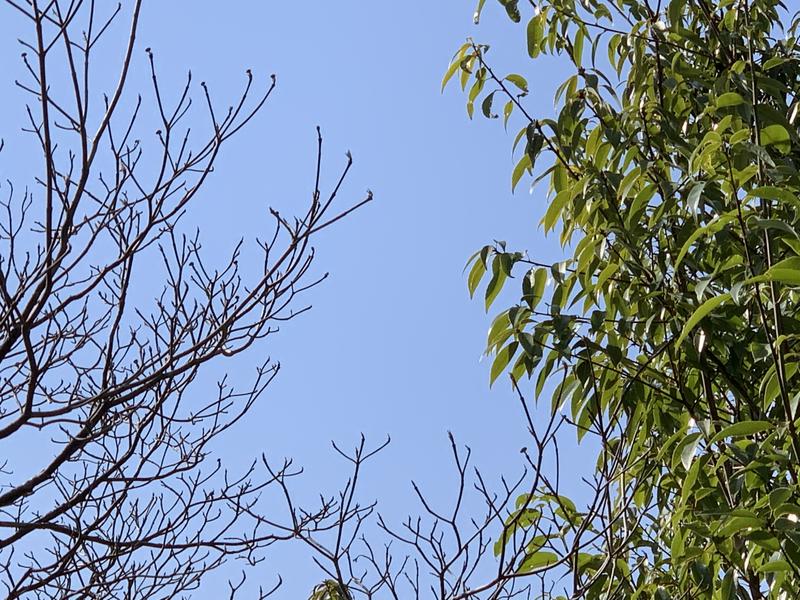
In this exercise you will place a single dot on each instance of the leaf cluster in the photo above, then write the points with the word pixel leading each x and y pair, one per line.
pixel 671 175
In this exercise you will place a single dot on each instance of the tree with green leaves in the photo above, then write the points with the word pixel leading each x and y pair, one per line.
pixel 668 339
pixel 671 329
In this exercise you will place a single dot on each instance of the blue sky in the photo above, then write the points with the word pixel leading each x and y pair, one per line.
pixel 393 343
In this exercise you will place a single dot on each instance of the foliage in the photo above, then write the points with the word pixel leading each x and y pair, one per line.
pixel 671 332
pixel 330 589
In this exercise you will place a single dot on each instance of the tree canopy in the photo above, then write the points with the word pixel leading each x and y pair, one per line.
pixel 670 330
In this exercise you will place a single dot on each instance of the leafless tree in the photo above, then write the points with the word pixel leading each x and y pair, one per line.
pixel 519 538
pixel 120 495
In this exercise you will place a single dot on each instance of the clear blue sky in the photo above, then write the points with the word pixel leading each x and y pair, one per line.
pixel 393 343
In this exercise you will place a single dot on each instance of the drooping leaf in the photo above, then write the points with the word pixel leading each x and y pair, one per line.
pixel 711 228
pixel 535 34
pixel 486 106
pixel 476 17
pixel 538 560
pixel 744 428
pixel 523 165
pixel 519 81
pixel 475 276
pixel 729 99
pixel 501 361
pixel 495 283
pixel 702 311
pixel 776 135
pixel 512 9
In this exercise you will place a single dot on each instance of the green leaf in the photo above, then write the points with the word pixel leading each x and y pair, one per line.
pixel 778 497
pixel 688 448
pixel 577 46
pixel 474 92
pixel 608 272
pixel 496 282
pixel 519 81
pixel 786 271
pixel 476 17
pixel 787 509
pixel 529 345
pixel 776 135
pixel 729 99
pixel 691 477
pixel 775 566
pixel 466 70
pixel 499 332
pixel 535 143
pixel 538 281
pixel 774 224
pixel 554 210
pixel 486 106
pixel 454 65
pixel 501 361
pixel 511 9
pixel 739 137
pixel 535 34
pixel 330 589
pixel 451 70
pixel 774 62
pixel 742 429
pixel 738 523
pixel 713 227
pixel 539 560
pixel 693 199
pixel 523 165
pixel 728 589
pixel 698 315
pixel 507 110
pixel 770 192
pixel 475 276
